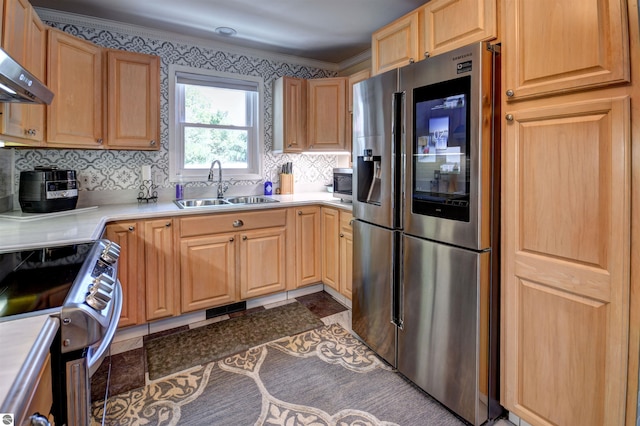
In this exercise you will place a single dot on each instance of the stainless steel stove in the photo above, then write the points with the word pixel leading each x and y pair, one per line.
pixel 78 285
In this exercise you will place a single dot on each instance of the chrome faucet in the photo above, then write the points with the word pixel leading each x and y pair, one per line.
pixel 221 187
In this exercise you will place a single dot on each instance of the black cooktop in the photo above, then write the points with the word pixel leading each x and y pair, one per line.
pixel 38 279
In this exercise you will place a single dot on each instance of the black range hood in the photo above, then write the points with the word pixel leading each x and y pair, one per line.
pixel 19 85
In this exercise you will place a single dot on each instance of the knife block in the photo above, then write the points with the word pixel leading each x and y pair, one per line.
pixel 286 183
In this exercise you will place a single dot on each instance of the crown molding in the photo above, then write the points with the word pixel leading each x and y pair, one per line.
pixel 355 60
pixel 136 30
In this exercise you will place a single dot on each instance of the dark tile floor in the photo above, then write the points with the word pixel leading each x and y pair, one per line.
pixel 128 368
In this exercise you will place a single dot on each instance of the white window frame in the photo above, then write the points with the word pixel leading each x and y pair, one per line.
pixel 176 148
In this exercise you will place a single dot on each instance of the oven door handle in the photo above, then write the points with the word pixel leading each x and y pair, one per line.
pixel 95 357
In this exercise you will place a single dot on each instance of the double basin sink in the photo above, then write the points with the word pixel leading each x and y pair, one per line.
pixel 208 202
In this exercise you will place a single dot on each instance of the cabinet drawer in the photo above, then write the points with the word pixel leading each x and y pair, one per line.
pixel 231 222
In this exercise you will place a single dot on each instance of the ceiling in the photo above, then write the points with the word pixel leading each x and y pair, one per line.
pixel 325 30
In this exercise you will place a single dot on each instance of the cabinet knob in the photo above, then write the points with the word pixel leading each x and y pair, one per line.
pixel 168 224
pixel 244 237
pixel 510 93
pixel 341 235
pixel 411 60
pixel 299 212
pixel 99 141
pixel 152 143
pixel 132 228
pixel 231 239
pixel 237 223
pixel 351 222
pixel 509 117
pixel 426 54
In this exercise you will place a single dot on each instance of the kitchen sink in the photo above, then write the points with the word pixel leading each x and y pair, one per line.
pixel 208 202
pixel 201 202
pixel 253 199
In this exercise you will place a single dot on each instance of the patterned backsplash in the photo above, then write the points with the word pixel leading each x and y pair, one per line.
pixel 120 170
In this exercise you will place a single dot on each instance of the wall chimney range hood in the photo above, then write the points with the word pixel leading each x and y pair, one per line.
pixel 20 86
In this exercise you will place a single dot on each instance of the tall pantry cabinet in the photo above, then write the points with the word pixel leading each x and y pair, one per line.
pixel 566 203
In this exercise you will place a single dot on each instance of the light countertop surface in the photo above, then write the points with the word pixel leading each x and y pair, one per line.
pixel 22 231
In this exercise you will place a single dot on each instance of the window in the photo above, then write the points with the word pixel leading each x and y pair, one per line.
pixel 216 116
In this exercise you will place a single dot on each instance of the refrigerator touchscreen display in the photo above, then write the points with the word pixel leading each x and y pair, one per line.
pixel 441 149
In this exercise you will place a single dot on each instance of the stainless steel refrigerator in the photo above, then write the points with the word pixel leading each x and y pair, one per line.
pixel 426 204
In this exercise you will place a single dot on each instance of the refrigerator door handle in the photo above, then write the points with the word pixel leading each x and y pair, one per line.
pixel 397 289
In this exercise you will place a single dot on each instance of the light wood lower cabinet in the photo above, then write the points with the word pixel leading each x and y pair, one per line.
pixel 128 235
pixel 208 271
pixel 232 256
pixel 337 250
pixel 262 262
pixel 308 246
pixel 162 293
pixel 330 229
pixel 346 253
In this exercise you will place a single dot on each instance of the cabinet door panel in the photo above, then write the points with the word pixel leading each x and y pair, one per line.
pixel 555 46
pixel 308 245
pixel 208 271
pixel 133 100
pixel 565 288
pixel 262 262
pixel 449 24
pixel 75 116
pixel 327 113
pixel 162 287
pixel 346 254
pixel 395 45
pixel 330 228
pixel 130 270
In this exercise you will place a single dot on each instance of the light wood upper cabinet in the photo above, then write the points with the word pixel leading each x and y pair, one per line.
pixel 396 44
pixel 289 114
pixel 161 278
pixel 446 25
pixel 566 250
pixel 24 123
pixel 128 235
pixel 75 116
pixel 557 46
pixel 326 114
pixel 15 37
pixel 133 100
pixel 308 246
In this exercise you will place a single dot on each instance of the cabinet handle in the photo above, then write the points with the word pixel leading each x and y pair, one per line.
pixel 231 239
pixel 509 117
pixel 152 143
pixel 168 224
pixel 237 223
pixel 299 212
pixel 132 228
pixel 510 93
pixel 351 222
pixel 244 238
pixel 99 141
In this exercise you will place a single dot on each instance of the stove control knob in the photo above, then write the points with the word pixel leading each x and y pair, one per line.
pixel 110 253
pixel 99 295
pixel 104 282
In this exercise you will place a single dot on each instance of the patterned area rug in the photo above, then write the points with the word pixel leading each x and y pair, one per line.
pixel 186 349
pixel 321 377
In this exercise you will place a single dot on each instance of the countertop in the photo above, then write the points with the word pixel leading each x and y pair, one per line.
pixel 19 231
